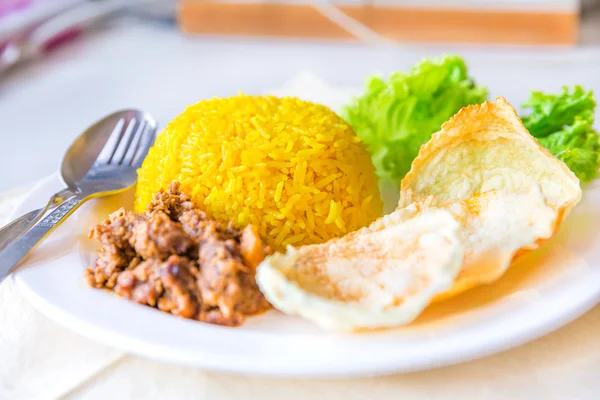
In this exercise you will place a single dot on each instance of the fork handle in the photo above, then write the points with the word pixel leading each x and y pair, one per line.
pixel 19 226
pixel 25 222
pixel 16 251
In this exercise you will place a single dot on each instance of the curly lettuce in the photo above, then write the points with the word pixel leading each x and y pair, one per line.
pixel 563 124
pixel 394 117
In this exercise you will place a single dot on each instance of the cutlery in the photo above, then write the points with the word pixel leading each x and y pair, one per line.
pixel 102 161
pixel 19 226
pixel 49 33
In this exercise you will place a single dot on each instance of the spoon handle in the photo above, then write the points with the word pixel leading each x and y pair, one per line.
pixel 15 252
pixel 25 222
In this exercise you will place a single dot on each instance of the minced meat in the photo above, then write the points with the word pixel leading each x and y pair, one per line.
pixel 174 258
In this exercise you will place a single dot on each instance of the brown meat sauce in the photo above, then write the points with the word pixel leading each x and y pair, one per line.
pixel 174 258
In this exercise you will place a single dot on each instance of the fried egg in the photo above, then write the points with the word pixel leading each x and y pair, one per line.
pixel 370 279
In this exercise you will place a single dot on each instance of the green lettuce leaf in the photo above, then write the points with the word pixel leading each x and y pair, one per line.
pixel 394 117
pixel 563 124
pixel 550 113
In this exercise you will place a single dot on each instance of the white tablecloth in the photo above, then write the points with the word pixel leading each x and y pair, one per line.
pixel 40 359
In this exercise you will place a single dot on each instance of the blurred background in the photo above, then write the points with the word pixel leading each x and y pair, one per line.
pixel 66 63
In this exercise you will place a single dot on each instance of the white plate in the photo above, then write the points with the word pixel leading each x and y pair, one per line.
pixel 544 291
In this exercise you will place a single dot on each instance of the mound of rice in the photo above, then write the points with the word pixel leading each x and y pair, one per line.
pixel 293 168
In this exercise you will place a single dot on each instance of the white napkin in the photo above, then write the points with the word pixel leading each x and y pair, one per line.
pixel 41 360
pixel 307 86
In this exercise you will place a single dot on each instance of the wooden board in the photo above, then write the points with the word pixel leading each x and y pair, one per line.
pixel 404 24
pixel 264 19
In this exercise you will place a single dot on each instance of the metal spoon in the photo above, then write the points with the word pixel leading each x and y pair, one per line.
pixel 102 161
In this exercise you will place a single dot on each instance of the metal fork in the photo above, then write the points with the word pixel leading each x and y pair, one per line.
pixel 97 164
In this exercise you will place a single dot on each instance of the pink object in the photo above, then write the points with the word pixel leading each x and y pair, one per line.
pixel 62 38
pixel 48 32
pixel 9 6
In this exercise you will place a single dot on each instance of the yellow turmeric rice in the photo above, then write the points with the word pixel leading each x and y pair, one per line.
pixel 293 168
